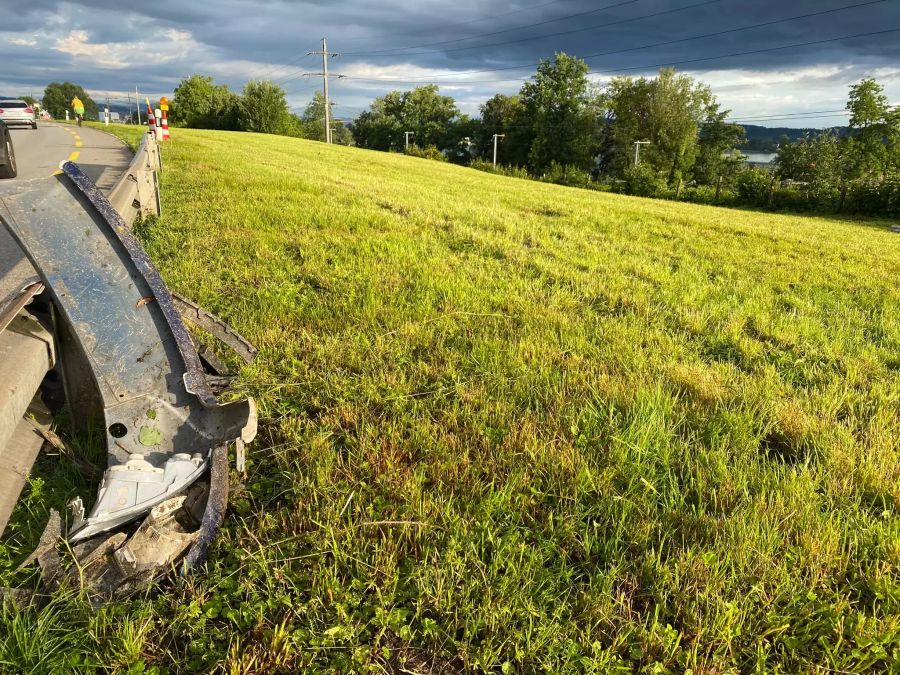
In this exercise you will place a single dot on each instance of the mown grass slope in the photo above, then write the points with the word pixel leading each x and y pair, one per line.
pixel 510 426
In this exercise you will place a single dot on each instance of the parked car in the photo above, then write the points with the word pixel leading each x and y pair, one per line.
pixel 18 112
pixel 7 155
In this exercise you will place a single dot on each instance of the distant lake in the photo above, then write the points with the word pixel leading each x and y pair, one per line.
pixel 760 157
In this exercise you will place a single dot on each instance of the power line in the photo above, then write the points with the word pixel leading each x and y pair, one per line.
pixel 479 20
pixel 268 73
pixel 787 119
pixel 498 32
pixel 300 90
pixel 680 40
pixel 798 114
pixel 642 67
pixel 603 25
pixel 549 35
pixel 462 23
pixel 760 51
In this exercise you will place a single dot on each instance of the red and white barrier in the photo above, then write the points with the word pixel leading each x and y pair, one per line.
pixel 164 124
pixel 164 119
pixel 151 120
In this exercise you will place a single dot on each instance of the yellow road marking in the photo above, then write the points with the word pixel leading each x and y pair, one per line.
pixel 78 144
pixel 73 157
pixel 77 137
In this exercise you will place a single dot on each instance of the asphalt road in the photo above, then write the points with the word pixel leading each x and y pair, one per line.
pixel 38 155
pixel 39 152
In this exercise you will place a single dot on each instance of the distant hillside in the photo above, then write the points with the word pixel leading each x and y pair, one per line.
pixel 765 139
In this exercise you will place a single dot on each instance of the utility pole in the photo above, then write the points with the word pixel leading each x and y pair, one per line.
pixel 324 75
pixel 637 151
pixel 106 113
pixel 496 138
pixel 137 104
pixel 407 134
pixel 335 125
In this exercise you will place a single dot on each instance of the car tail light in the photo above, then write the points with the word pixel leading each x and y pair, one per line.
pixel 1 110
pixel 29 110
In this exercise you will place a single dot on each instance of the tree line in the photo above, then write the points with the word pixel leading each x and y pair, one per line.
pixel 562 128
pixel 261 107
pixel 560 125
pixel 58 98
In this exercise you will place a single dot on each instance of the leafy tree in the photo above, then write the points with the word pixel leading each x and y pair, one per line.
pixel 562 112
pixel 376 129
pixel 30 100
pixel 717 140
pixel 200 104
pixel 192 101
pixel 868 105
pixel 422 111
pixel 462 139
pixel 818 163
pixel 264 109
pixel 875 128
pixel 313 120
pixel 58 98
pixel 627 102
pixel 503 115
pixel 294 126
pixel 667 111
pixel 428 115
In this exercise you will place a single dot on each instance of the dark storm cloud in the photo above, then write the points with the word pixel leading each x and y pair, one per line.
pixel 234 40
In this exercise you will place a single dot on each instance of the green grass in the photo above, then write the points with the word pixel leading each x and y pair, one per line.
pixel 514 427
pixel 130 133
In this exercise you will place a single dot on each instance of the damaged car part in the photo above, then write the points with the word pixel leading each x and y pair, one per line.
pixel 126 358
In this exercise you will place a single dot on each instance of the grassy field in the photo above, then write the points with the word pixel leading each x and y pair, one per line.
pixel 514 427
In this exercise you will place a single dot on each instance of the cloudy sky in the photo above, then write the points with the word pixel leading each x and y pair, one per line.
pixel 771 62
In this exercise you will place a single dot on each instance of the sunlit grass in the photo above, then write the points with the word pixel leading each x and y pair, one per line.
pixel 513 426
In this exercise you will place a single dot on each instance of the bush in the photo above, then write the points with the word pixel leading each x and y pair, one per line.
pixel 428 152
pixel 565 174
pixel 875 198
pixel 700 194
pixel 641 181
pixel 793 199
pixel 500 170
pixel 293 126
pixel 753 185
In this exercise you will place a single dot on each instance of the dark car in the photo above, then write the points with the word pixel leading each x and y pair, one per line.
pixel 7 155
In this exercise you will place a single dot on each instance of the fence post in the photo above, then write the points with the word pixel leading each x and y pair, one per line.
pixel 718 187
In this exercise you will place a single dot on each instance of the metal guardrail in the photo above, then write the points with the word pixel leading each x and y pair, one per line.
pixel 137 192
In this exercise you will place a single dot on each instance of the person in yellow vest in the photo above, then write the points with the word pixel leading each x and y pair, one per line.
pixel 78 107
